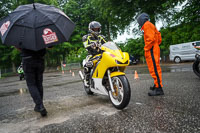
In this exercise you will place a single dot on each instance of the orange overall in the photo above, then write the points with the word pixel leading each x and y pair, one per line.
pixel 152 39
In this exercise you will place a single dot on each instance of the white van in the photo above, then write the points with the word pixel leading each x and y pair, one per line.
pixel 183 52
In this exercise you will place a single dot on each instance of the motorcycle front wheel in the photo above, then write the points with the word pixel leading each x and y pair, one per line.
pixel 121 97
pixel 196 68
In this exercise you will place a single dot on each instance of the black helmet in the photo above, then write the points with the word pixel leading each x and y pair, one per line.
pixel 94 28
pixel 142 18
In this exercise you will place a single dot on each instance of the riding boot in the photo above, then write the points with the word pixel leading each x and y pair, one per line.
pixel 87 75
pixel 156 92
pixel 152 87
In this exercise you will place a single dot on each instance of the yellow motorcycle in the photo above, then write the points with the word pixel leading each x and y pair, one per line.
pixel 107 75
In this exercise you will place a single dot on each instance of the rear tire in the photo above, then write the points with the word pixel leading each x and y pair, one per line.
pixel 88 91
pixel 86 88
pixel 196 68
pixel 120 99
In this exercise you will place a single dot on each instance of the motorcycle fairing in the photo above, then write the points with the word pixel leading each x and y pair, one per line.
pixel 98 87
pixel 108 61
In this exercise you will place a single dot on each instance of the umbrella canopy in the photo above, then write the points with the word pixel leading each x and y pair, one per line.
pixel 35 26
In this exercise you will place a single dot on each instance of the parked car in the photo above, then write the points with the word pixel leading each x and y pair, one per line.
pixel 183 52
pixel 134 60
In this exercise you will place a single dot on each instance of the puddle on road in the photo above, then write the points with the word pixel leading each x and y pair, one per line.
pixel 23 90
pixel 129 70
pixel 15 92
pixel 53 76
pixel 171 69
pixel 60 84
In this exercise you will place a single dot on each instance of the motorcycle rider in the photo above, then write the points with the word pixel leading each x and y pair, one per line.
pixel 20 71
pixel 91 41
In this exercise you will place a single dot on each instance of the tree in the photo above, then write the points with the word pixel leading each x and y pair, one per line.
pixel 120 13
pixel 189 14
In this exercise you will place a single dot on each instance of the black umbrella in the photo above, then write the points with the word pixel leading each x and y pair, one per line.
pixel 35 26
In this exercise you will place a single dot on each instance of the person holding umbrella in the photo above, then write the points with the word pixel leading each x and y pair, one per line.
pixel 32 28
pixel 33 66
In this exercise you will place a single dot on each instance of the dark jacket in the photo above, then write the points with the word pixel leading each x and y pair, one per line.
pixel 34 54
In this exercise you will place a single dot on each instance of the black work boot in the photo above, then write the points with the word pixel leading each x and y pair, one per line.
pixel 87 75
pixel 43 112
pixel 156 92
pixel 153 88
pixel 41 109
pixel 37 108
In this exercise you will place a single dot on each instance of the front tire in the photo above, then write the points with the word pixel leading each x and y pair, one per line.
pixel 196 68
pixel 121 97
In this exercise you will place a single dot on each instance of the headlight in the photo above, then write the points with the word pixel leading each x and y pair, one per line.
pixel 118 62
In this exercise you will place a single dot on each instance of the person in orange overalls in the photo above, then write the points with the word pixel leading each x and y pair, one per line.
pixel 152 39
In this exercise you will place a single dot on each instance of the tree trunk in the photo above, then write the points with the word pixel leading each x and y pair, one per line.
pixel 13 67
pixel 152 19
pixel 108 31
pixel 64 55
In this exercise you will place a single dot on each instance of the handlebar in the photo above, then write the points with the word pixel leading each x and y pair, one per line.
pixel 95 45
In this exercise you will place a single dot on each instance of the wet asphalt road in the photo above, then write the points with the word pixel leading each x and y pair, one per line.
pixel 71 110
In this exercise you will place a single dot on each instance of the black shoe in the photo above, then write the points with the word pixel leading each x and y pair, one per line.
pixel 41 109
pixel 153 88
pixel 37 108
pixel 43 112
pixel 156 92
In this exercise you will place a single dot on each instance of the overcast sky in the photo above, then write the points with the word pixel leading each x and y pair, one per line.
pixel 126 35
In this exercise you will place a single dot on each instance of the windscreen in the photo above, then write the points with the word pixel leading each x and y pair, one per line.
pixel 111 45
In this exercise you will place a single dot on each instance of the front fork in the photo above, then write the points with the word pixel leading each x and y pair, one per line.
pixel 110 81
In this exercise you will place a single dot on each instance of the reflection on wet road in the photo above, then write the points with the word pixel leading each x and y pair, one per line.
pixel 71 110
pixel 165 68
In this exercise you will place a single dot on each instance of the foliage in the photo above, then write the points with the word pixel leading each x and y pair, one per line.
pixel 133 47
pixel 115 16
pixel 189 14
pixel 77 56
pixel 120 13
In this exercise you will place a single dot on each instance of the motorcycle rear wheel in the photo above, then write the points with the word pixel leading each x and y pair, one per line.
pixel 88 91
pixel 121 97
pixel 196 68
pixel 86 88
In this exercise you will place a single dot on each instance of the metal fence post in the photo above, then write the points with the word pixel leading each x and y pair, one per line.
pixel 0 73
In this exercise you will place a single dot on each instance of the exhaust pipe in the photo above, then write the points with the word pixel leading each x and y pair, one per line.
pixel 83 79
pixel 81 75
